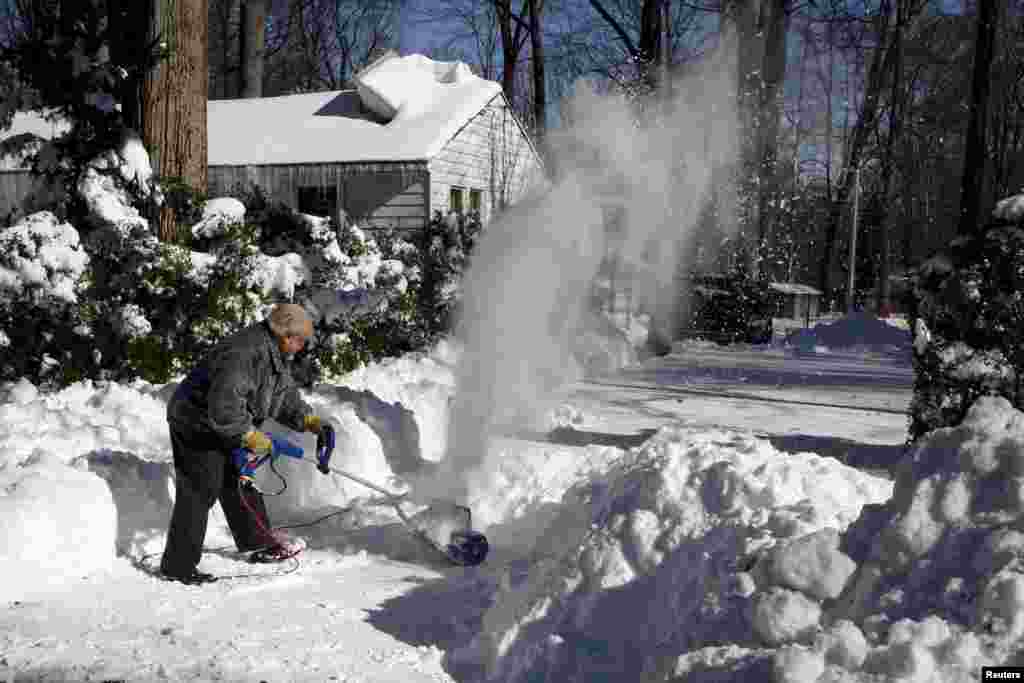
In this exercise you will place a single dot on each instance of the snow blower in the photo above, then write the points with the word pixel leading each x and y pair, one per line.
pixel 443 525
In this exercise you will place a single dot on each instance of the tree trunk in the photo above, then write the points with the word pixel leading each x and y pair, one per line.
pixel 540 100
pixel 769 113
pixel 892 197
pixel 974 158
pixel 254 15
pixel 511 29
pixel 174 100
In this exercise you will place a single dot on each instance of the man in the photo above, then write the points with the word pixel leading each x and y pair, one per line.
pixel 218 409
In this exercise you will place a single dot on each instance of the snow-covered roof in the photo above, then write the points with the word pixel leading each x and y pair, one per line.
pixel 26 122
pixel 794 288
pixel 403 109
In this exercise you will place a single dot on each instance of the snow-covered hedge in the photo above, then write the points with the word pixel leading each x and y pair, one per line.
pixel 133 306
pixel 968 324
pixel 42 264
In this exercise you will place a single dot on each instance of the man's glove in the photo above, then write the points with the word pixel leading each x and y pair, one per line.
pixel 324 448
pixel 312 423
pixel 257 442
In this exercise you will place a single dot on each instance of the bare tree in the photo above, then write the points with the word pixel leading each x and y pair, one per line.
pixel 540 100
pixel 880 65
pixel 225 24
pixel 320 44
pixel 514 30
pixel 174 99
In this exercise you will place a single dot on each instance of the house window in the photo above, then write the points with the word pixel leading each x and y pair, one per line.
pixel 318 201
pixel 455 200
pixel 475 197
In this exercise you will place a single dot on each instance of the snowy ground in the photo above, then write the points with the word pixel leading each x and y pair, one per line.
pixel 720 478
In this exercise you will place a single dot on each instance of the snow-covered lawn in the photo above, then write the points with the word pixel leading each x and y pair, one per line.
pixel 646 527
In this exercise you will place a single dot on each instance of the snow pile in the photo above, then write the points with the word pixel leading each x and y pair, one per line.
pixel 937 590
pixel 405 84
pixel 40 258
pixel 422 382
pixel 859 330
pixel 1010 209
pixel 652 558
pixel 81 419
pixel 59 523
pixel 218 215
pixel 943 562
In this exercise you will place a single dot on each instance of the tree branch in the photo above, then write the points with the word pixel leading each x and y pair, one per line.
pixel 633 52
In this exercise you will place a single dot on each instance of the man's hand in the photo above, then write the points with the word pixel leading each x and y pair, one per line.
pixel 257 442
pixel 312 423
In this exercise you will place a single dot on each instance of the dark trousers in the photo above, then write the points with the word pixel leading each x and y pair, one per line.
pixel 205 474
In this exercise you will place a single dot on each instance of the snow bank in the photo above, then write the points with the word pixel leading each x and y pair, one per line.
pixel 92 463
pixel 651 559
pixel 670 566
pixel 59 523
pixel 860 330
pixel 81 419
pixel 422 382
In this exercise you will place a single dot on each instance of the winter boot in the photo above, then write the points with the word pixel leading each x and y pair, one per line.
pixel 284 548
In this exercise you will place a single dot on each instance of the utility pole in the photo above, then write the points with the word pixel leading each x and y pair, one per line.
pixel 853 240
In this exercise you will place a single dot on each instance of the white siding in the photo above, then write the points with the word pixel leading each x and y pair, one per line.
pixel 491 153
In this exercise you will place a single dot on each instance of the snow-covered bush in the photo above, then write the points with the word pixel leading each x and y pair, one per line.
pixel 78 64
pixel 967 326
pixel 42 264
pixel 383 295
pixel 194 299
pixel 444 250
pixel 361 297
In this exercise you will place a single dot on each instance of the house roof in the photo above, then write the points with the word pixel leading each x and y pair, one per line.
pixel 403 109
pixel 794 288
pixel 31 123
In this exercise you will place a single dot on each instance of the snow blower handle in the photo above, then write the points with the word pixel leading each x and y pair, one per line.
pixel 247 463
pixel 324 448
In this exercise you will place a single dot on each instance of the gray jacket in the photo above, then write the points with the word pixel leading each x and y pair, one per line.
pixel 244 380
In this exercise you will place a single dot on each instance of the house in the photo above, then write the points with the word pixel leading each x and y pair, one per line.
pixel 799 302
pixel 413 137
